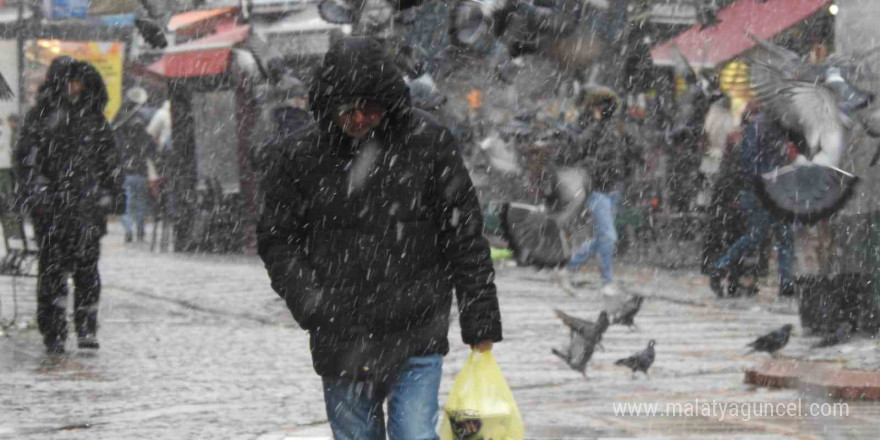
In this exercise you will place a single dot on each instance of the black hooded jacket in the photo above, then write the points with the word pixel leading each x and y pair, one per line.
pixel 366 239
pixel 66 157
pixel 136 146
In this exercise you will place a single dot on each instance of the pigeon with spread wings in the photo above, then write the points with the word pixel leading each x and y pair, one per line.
pixel 584 337
pixel 816 102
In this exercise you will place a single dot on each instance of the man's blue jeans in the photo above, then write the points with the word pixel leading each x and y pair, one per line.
pixel 355 408
pixel 761 223
pixel 137 204
pixel 603 208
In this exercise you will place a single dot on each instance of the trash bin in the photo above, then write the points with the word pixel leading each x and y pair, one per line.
pixel 826 302
pixel 853 293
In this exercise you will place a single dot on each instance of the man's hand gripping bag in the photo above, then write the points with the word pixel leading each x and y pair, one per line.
pixel 480 405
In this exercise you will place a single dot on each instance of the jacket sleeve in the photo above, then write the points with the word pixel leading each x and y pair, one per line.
pixel 282 240
pixel 111 175
pixel 463 246
pixel 748 154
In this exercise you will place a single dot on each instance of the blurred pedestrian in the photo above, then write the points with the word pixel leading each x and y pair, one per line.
pixel 159 127
pixel 726 220
pixel 370 222
pixel 167 167
pixel 6 143
pixel 610 156
pixel 764 147
pixel 137 149
pixel 290 117
pixel 69 177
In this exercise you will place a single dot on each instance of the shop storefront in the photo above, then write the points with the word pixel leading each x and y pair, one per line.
pixel 213 73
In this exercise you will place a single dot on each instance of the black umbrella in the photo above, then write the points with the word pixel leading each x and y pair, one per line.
pixel 806 193
pixel 534 236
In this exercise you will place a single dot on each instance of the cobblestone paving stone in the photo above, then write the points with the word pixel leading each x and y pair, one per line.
pixel 199 347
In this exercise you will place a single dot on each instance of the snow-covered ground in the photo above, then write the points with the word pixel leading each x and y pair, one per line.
pixel 199 347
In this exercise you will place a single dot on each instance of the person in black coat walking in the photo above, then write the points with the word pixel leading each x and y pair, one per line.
pixel 69 177
pixel 370 222
pixel 137 149
pixel 727 221
pixel 765 146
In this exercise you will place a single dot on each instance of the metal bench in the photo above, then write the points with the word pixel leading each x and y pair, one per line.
pixel 18 260
pixel 20 257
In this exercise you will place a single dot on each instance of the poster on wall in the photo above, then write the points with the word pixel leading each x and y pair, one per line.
pixel 8 109
pixel 216 139
pixel 106 56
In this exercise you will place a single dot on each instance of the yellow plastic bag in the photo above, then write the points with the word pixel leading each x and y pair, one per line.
pixel 480 405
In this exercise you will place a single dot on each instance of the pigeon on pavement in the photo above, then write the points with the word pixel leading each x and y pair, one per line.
pixel 773 341
pixel 627 310
pixel 640 361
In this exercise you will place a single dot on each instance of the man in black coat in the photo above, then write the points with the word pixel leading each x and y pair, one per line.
pixel 69 176
pixel 370 222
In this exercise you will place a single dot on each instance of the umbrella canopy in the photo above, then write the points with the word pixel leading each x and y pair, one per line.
pixel 534 236
pixel 806 193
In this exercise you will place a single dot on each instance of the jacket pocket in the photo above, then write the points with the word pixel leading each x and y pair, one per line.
pixel 330 308
pixel 399 306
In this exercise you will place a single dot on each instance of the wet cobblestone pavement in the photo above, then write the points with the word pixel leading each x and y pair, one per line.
pixel 198 347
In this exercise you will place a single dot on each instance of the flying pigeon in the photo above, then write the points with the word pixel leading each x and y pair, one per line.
pixel 354 11
pixel 152 32
pixel 558 30
pixel 706 14
pixel 843 333
pixel 338 11
pixel 501 154
pixel 773 341
pixel 246 65
pixel 587 329
pixel 256 60
pixel 626 311
pixel 640 361
pixel 692 108
pixel 816 102
pixel 584 337
pixel 472 20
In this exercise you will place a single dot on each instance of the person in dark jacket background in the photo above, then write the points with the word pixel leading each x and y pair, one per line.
pixel 764 147
pixel 69 176
pixel 726 220
pixel 289 118
pixel 610 156
pixel 370 222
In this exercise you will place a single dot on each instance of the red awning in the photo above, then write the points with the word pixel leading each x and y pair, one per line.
pixel 207 56
pixel 715 45
pixel 187 22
